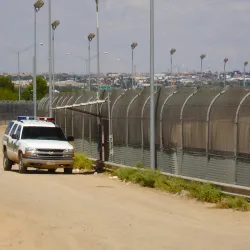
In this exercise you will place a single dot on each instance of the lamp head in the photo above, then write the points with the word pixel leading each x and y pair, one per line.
pixel 38 5
pixel 55 24
pixel 91 36
pixel 134 45
pixel 202 56
pixel 172 51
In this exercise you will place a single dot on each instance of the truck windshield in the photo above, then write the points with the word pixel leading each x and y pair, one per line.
pixel 43 133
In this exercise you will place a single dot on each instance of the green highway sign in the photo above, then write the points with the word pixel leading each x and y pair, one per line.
pixel 105 87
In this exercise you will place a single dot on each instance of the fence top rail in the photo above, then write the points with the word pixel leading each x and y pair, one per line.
pixel 81 104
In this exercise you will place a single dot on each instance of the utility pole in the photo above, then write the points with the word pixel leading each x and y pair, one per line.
pixel 152 99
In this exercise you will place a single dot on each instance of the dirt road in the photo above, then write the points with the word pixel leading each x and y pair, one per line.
pixel 83 212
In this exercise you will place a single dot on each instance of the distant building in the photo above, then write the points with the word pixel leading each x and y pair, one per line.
pixel 113 74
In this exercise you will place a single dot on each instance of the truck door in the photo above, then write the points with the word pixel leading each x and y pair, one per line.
pixel 10 142
pixel 16 143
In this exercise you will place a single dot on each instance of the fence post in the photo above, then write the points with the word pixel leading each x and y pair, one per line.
pixel 208 126
pixel 111 152
pixel 236 136
pixel 127 125
pixel 83 124
pixel 161 125
pixel 72 124
pixel 181 130
pixel 103 131
pixel 142 128
pixel 65 114
pixel 54 109
pixel 90 132
pixel 65 121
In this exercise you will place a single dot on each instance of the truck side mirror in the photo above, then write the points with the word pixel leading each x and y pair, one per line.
pixel 70 138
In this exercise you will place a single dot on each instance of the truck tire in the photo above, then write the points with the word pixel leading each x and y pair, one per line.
pixel 51 170
pixel 7 164
pixel 22 168
pixel 68 170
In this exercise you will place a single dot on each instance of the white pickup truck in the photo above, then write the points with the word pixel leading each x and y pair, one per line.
pixel 37 143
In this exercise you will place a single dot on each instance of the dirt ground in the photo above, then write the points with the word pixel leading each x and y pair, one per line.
pixel 93 212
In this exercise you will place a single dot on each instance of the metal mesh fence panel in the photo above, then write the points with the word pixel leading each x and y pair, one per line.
pixel 197 130
pixel 120 125
pixel 171 118
pixel 222 122
pixel 244 129
pixel 9 110
pixel 195 119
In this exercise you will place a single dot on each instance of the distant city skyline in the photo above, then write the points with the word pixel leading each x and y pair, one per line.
pixel 217 28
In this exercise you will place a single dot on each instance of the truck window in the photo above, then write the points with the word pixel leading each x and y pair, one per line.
pixel 43 133
pixel 13 130
pixel 9 128
pixel 18 131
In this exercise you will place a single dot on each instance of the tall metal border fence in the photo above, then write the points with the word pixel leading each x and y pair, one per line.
pixel 202 133
pixel 9 110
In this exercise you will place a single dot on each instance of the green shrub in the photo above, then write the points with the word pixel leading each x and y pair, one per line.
pixel 124 174
pixel 144 178
pixel 139 165
pixel 82 162
pixel 206 193
pixel 236 203
pixel 201 191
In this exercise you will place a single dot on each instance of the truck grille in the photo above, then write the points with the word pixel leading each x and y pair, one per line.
pixel 51 153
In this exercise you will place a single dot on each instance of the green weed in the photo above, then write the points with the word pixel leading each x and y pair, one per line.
pixel 201 191
pixel 82 162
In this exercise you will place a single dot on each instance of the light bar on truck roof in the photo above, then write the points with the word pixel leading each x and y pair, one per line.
pixel 49 119
pixel 22 118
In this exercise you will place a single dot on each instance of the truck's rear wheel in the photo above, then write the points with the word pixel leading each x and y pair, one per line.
pixel 7 164
pixel 22 168
pixel 68 170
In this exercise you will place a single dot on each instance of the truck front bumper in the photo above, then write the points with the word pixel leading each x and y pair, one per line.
pixel 48 164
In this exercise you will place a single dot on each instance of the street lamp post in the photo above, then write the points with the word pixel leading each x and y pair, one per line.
pixel 54 25
pixel 202 57
pixel 19 78
pixel 91 36
pixel 245 64
pixel 225 62
pixel 152 99
pixel 98 47
pixel 172 51
pixel 38 5
pixel 101 153
pixel 133 46
pixel 18 67
pixel 50 60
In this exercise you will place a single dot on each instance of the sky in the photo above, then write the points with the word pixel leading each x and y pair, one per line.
pixel 217 28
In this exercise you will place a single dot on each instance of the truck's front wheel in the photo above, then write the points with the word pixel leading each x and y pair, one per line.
pixel 68 170
pixel 7 164
pixel 22 168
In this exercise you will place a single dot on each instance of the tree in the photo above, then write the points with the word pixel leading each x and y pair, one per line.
pixel 5 82
pixel 7 95
pixel 41 89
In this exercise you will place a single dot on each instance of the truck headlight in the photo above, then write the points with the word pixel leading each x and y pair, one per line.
pixel 68 152
pixel 30 151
